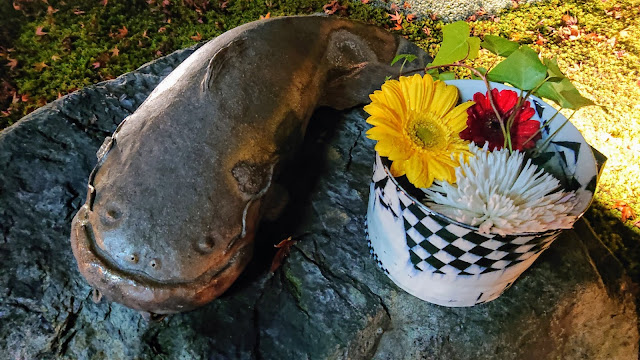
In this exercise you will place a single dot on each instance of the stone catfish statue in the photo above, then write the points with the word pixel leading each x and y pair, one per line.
pixel 179 188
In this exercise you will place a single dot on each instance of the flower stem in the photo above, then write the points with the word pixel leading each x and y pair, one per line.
pixel 550 137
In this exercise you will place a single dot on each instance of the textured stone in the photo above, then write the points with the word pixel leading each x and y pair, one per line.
pixel 328 299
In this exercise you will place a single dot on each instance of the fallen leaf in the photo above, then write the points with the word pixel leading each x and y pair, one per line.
pixel 16 6
pixel 364 1
pixel 78 11
pixel 166 3
pixel 96 64
pixel 569 20
pixel 394 7
pixel 12 63
pixel 115 51
pixel 397 27
pixel 625 210
pixel 471 18
pixel 541 40
pixel 144 34
pixel 638 82
pixel 426 30
pixel 122 32
pixel 263 17
pixel 24 97
pixel 196 37
pixel 397 17
pixel 406 5
pixel 332 7
pixel 15 99
pixel 285 250
pixel 51 10
pixel 162 29
pixel 158 53
pixel 224 5
pixel 39 31
pixel 620 53
pixel 39 66
pixel 411 17
pixel 104 2
pixel 5 113
pixel 481 12
pixel 433 16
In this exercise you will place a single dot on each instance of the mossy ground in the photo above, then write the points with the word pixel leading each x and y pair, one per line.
pixel 50 49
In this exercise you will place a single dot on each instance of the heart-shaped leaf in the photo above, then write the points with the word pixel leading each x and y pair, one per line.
pixel 563 93
pixel 499 45
pixel 521 69
pixel 456 44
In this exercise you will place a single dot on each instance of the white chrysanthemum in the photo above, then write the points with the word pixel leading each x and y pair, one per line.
pixel 501 194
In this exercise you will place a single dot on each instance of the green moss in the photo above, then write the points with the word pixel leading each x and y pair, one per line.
pixel 293 283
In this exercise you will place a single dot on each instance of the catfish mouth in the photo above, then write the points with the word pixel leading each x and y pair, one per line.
pixel 142 292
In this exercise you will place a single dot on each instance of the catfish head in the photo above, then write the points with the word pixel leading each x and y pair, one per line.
pixel 179 188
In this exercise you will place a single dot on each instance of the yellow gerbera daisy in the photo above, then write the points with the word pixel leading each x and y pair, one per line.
pixel 416 123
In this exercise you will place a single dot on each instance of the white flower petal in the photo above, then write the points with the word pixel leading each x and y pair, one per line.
pixel 502 194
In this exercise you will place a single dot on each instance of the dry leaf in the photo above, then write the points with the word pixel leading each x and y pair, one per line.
pixel 285 249
pixel 12 63
pixel 625 210
pixel 55 57
pixel 39 66
pixel 78 11
pixel 115 51
pixel 411 17
pixel 406 5
pixel 162 29
pixel 196 37
pixel 39 31
pixel 122 32
pixel 394 7
pixel 397 17
pixel 104 2
pixel 24 97
pixel 51 10
pixel 569 20
pixel 16 6
pixel 364 1
pixel 263 17
pixel 224 5
pixel 332 7
pixel 96 64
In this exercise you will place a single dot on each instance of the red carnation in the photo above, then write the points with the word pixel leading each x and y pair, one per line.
pixel 483 124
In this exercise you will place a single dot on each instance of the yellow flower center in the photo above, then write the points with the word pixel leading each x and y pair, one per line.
pixel 426 133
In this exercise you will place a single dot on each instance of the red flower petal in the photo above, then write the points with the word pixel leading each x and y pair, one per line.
pixel 483 124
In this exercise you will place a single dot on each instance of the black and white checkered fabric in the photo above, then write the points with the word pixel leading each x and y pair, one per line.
pixel 439 246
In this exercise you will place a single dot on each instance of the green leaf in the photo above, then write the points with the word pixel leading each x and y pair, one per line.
pixel 456 44
pixel 447 76
pixel 553 70
pixel 521 69
pixel 564 94
pixel 482 70
pixel 499 45
pixel 406 57
pixel 474 47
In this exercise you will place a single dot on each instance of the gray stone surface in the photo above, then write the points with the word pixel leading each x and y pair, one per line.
pixel 328 300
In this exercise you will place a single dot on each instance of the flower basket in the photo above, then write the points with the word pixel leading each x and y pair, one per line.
pixel 446 262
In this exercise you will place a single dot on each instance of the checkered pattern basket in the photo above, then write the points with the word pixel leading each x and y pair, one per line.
pixel 448 263
pixel 437 259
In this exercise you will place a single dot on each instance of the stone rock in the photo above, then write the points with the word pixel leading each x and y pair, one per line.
pixel 327 300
